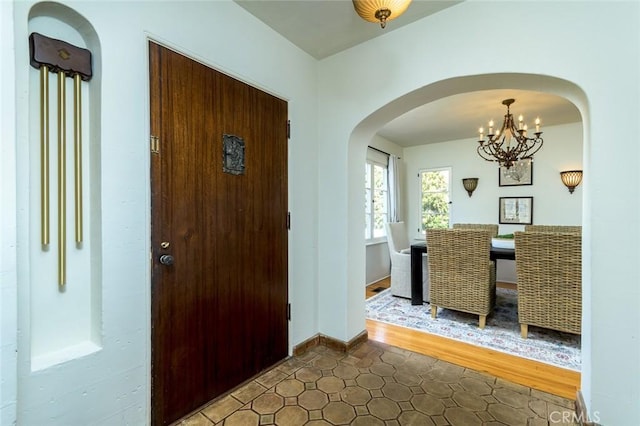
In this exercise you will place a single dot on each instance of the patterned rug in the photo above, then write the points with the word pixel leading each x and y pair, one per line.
pixel 502 332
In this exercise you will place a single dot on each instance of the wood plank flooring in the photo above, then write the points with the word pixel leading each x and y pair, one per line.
pixel 534 374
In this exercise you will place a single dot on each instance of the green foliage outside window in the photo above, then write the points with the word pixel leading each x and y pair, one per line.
pixel 435 199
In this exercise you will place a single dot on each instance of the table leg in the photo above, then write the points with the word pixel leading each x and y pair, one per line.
pixel 416 276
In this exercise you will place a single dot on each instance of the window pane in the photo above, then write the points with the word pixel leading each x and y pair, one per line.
pixel 435 181
pixel 378 229
pixel 376 213
pixel 380 202
pixel 435 210
pixel 379 177
pixel 435 199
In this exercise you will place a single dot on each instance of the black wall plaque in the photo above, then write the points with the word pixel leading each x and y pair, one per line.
pixel 232 154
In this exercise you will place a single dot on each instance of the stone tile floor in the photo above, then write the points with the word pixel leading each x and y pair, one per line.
pixel 378 384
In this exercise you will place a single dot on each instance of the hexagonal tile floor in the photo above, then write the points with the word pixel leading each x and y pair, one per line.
pixel 378 384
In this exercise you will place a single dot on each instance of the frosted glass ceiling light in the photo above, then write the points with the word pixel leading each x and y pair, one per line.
pixel 380 10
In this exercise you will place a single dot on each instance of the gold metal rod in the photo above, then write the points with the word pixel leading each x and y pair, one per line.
pixel 62 183
pixel 44 155
pixel 77 135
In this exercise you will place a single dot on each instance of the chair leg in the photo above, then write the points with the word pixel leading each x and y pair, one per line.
pixel 434 311
pixel 524 329
pixel 483 321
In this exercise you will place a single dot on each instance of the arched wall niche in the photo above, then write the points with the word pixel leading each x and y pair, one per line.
pixel 367 128
pixel 64 321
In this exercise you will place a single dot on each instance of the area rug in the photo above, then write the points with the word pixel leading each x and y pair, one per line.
pixel 501 333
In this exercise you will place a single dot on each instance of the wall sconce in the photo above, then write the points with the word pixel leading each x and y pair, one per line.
pixel 571 179
pixel 470 184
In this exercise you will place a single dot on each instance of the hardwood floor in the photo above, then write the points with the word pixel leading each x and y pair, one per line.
pixel 377 287
pixel 537 375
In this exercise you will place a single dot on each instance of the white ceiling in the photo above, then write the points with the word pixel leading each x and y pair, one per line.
pixel 460 116
pixel 325 27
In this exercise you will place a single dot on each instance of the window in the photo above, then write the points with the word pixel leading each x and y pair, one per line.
pixel 434 198
pixel 376 200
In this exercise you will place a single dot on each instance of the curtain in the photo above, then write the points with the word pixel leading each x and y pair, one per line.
pixel 394 189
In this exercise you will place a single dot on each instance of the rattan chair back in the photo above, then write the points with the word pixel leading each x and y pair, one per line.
pixel 461 273
pixel 549 274
pixel 493 229
pixel 553 228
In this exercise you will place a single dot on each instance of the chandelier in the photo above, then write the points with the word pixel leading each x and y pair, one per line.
pixel 380 10
pixel 509 144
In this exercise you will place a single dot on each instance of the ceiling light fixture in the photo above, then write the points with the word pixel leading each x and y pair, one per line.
pixel 509 144
pixel 380 10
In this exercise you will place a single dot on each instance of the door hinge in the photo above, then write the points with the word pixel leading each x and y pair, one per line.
pixel 155 144
pixel 289 311
pixel 288 129
pixel 289 221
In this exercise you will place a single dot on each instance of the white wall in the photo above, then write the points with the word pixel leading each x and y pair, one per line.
pixel 8 213
pixel 111 385
pixel 455 51
pixel 552 202
pixel 378 263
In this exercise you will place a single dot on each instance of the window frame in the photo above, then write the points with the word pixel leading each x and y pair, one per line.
pixel 449 169
pixel 369 168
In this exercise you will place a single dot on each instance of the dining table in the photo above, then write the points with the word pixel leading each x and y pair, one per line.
pixel 420 247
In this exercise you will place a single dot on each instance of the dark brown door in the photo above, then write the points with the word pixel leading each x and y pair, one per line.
pixel 219 311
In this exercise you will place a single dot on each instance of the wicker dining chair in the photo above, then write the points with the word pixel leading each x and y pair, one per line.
pixel 549 273
pixel 553 228
pixel 462 277
pixel 493 229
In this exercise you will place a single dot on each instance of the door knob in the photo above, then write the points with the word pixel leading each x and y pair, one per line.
pixel 166 259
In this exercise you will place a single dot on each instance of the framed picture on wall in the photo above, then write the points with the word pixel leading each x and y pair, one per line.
pixel 516 210
pixel 520 173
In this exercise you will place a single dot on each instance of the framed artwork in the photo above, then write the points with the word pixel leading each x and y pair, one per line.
pixel 516 210
pixel 520 173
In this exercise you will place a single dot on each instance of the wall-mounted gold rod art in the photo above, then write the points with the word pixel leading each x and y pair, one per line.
pixel 44 155
pixel 62 181
pixel 48 54
pixel 77 144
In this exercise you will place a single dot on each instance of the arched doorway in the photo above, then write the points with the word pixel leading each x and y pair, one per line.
pixel 368 127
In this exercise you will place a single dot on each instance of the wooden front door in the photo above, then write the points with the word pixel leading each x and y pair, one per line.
pixel 219 295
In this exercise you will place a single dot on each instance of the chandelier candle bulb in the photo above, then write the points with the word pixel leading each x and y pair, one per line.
pixel 520 122
pixel 538 125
